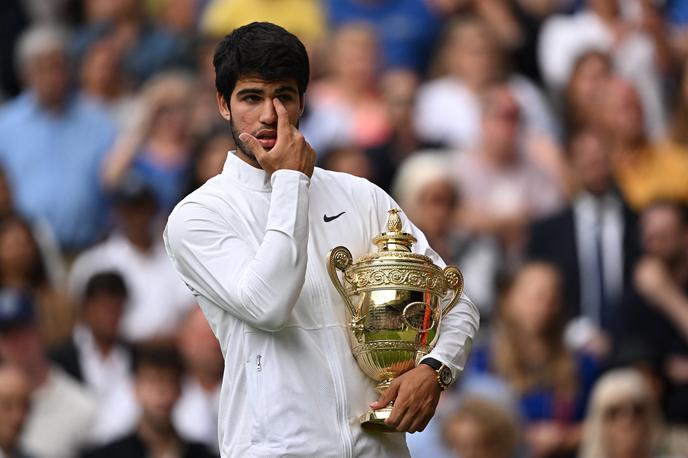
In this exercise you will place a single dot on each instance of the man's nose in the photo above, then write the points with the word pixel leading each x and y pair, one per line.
pixel 268 114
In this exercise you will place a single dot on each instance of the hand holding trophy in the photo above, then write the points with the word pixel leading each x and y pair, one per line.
pixel 393 298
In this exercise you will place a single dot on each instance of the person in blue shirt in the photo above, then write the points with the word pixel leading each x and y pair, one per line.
pixel 52 143
pixel 408 29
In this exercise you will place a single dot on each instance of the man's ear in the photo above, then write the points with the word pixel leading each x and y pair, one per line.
pixel 302 100
pixel 223 107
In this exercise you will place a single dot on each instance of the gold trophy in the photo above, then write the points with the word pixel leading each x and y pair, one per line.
pixel 393 298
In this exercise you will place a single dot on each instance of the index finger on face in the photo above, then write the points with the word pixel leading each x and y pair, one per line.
pixel 282 117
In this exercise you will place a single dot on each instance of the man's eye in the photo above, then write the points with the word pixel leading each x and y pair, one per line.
pixel 285 98
pixel 251 98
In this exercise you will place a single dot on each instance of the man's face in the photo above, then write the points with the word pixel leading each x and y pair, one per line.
pixel 251 110
pixel 102 314
pixel 663 233
pixel 48 75
pixel 157 390
pixel 591 164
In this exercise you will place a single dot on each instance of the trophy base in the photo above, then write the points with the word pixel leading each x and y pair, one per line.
pixel 374 420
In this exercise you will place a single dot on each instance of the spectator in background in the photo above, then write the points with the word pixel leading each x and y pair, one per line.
pixel 661 278
pixel 145 47
pixel 42 233
pixel 426 191
pixel 593 243
pixel 96 356
pixel 47 129
pixel 23 267
pixel 101 79
pixel 399 95
pixel 157 379
pixel 527 351
pixel 623 420
pixel 210 156
pixel 469 61
pixel 644 170
pixel 204 118
pixel 678 126
pixel 348 159
pixel 15 398
pixel 345 106
pixel 408 28
pixel 501 188
pixel 581 102
pixel 638 52
pixel 158 145
pixel 62 411
pixel 481 428
pixel 195 415
pixel 304 18
pixel 158 298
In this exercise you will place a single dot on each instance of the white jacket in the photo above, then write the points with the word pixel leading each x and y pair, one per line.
pixel 252 249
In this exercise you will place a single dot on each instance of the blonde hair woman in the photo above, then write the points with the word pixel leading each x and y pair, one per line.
pixel 623 419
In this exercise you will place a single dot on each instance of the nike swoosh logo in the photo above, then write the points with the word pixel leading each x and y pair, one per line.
pixel 327 219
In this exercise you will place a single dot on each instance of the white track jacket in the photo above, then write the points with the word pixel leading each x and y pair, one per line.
pixel 252 248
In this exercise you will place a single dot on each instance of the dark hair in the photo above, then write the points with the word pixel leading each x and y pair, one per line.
pixel 37 274
pixel 158 356
pixel 260 49
pixel 109 283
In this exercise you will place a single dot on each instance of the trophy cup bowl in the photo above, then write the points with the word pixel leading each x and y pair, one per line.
pixel 394 303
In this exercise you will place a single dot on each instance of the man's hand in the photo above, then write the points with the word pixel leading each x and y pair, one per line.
pixel 291 150
pixel 415 394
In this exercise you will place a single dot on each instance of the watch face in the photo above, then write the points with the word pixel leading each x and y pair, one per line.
pixel 446 376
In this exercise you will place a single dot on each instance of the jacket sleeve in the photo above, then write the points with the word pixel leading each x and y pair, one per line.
pixel 258 286
pixel 460 326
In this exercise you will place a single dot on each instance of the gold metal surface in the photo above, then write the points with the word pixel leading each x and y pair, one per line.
pixel 393 298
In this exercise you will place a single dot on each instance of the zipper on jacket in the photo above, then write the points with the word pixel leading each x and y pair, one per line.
pixel 340 396
pixel 259 366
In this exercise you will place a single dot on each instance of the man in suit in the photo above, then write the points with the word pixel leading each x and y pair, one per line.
pixel 593 242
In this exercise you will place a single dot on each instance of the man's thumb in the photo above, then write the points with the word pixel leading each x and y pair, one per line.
pixel 252 144
pixel 387 397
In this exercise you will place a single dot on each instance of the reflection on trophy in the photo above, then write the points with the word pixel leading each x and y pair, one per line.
pixel 393 298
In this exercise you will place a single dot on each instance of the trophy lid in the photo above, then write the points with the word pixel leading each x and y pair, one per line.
pixel 394 239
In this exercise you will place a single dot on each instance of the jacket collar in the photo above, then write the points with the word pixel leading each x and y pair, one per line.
pixel 251 177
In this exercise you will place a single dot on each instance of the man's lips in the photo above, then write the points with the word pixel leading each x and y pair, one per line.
pixel 266 138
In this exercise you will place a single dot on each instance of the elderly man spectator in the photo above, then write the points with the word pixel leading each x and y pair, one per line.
pixel 52 143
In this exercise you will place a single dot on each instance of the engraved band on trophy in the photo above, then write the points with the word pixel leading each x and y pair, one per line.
pixel 393 299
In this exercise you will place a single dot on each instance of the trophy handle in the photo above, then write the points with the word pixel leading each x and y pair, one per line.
pixel 339 258
pixel 454 279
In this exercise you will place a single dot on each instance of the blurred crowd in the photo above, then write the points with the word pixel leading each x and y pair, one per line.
pixel 541 146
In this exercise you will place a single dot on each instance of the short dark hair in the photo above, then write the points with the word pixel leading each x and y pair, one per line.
pixel 260 49
pixel 109 283
pixel 158 356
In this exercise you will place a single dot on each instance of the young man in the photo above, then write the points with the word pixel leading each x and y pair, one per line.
pixel 251 244
pixel 158 372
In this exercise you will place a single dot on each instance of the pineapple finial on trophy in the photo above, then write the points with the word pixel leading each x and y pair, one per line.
pixel 394 221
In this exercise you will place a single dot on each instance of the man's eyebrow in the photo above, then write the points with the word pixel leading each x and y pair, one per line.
pixel 283 89
pixel 250 90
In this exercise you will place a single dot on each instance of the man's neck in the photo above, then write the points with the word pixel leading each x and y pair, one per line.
pixel 249 159
pixel 160 441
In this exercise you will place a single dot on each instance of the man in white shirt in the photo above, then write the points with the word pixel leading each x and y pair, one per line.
pixel 251 244
pixel 158 300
